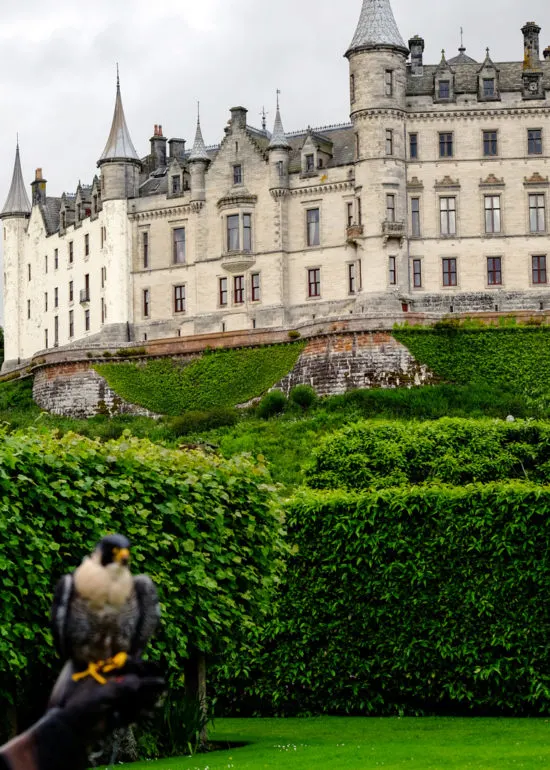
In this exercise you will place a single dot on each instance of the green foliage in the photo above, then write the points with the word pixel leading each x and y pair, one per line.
pixel 272 404
pixel 222 378
pixel 303 395
pixel 131 352
pixel 409 600
pixel 16 395
pixel 198 422
pixel 453 451
pixel 207 530
pixel 294 334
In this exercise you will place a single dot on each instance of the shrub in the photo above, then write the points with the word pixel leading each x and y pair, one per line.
pixel 294 334
pixel 198 422
pixel 303 395
pixel 272 403
pixel 16 395
pixel 131 352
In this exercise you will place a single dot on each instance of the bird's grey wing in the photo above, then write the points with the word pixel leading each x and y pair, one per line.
pixel 60 615
pixel 148 613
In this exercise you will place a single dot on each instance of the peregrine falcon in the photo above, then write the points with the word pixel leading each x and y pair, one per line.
pixel 102 613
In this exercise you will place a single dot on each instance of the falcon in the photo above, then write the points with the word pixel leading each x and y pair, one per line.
pixel 101 613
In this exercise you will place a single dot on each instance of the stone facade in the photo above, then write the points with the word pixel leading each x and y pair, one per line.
pixel 434 198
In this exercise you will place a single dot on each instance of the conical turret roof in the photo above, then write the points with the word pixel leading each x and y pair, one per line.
pixel 278 138
pixel 119 144
pixel 199 148
pixel 17 203
pixel 377 27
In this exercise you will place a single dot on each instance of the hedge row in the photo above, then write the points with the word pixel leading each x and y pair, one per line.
pixel 369 455
pixel 222 378
pixel 207 530
pixel 408 601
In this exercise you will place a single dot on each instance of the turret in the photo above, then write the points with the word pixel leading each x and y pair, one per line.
pixel 199 161
pixel 279 155
pixel 119 163
pixel 15 216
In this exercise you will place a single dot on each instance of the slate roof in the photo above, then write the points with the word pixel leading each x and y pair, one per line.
pixel 377 26
pixel 466 78
pixel 343 145
pixel 119 144
pixel 462 58
pixel 50 213
pixel 17 201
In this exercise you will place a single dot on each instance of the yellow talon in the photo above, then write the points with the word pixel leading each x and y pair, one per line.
pixel 93 670
pixel 118 661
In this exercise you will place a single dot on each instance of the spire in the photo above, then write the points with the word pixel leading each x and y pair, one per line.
pixel 199 148
pixel 377 27
pixel 17 203
pixel 119 144
pixel 278 138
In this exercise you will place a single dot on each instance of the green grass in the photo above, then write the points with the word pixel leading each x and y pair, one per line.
pixel 338 743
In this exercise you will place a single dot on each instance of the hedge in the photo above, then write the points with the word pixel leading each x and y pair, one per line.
pixel 207 530
pixel 371 455
pixel 408 601
pixel 222 378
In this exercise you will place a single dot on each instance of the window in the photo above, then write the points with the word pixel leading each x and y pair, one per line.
pixel 413 146
pixel 238 290
pixel 449 272
pixel 63 220
pixel 46 338
pixel 87 287
pixel 313 231
pixel 357 147
pixel 146 296
pixel 71 252
pixel 71 291
pixel 446 145
pixel 349 214
pixel 392 271
pixel 103 277
pixel 359 211
pixel 390 208
pixel 71 323
pixel 537 214
pixel 314 282
pixel 280 169
pixel 179 299
pixel 389 141
pixel 490 144
pixel 310 164
pixel 145 248
pixel 78 212
pixel 534 141
pixel 417 273
pixel 233 240
pixel 28 308
pixel 237 174
pixel 94 203
pixel 56 259
pixel 389 82
pixel 415 217
pixel 56 297
pixel 539 269
pixel 179 245
pixel 247 232
pixel 86 245
pixel 255 287
pixel 492 213
pixel 86 320
pixel 352 87
pixel 45 301
pixel 103 236
pixel 29 272
pixel 494 271
pixel 56 331
pixel 444 89
pixel 223 292
pixel 176 184
pixel 352 278
pixel 46 263
pixel 489 87
pixel 103 310
pixel 447 213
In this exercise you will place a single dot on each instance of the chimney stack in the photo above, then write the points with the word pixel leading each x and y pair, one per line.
pixel 38 188
pixel 416 46
pixel 531 56
pixel 158 147
pixel 238 117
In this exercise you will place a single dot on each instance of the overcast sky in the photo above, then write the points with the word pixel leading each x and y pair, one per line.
pixel 58 58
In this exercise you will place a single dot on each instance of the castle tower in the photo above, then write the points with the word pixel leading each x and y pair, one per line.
pixel 279 155
pixel 119 163
pixel 377 60
pixel 15 216
pixel 199 161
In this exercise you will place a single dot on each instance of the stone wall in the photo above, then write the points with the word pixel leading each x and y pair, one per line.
pixel 336 363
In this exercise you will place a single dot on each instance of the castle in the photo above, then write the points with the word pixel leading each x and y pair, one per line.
pixel 434 197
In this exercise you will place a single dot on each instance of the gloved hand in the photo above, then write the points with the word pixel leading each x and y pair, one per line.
pixel 86 712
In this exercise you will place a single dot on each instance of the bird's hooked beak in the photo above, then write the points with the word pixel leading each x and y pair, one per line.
pixel 121 556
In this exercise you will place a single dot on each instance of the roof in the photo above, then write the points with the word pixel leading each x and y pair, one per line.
pixel 466 78
pixel 199 148
pixel 119 144
pixel 462 58
pixel 376 27
pixel 278 138
pixel 341 137
pixel 17 202
pixel 50 213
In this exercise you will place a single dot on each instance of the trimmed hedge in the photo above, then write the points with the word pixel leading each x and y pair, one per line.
pixel 371 455
pixel 222 378
pixel 408 601
pixel 207 530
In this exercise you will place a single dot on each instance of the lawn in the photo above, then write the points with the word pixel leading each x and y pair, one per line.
pixel 338 743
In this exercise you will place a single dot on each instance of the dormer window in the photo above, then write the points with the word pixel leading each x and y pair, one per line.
pixel 78 212
pixel 176 184
pixel 489 87
pixel 444 89
pixel 310 163
pixel 63 220
pixel 94 202
pixel 237 174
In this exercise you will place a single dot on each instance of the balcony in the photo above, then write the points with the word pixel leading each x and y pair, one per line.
pixel 393 230
pixel 354 233
pixel 238 261
pixel 84 296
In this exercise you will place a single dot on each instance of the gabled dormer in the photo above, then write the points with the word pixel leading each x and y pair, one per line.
pixel 488 85
pixel 96 201
pixel 83 203
pixel 317 152
pixel 66 213
pixel 176 179
pixel 444 82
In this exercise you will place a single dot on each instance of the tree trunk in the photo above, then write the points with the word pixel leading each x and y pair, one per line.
pixel 195 688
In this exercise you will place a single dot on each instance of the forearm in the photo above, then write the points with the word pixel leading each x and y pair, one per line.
pixel 49 745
